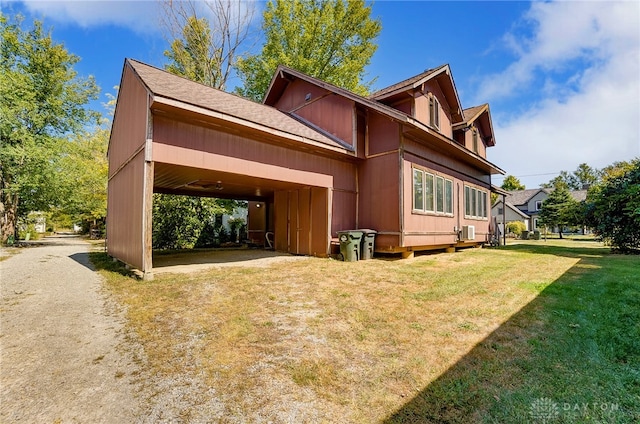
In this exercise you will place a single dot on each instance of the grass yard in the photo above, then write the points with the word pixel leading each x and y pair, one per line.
pixel 532 332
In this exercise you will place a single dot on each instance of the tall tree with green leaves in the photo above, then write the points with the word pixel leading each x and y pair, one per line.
pixel 613 206
pixel 85 175
pixel 511 183
pixel 584 177
pixel 560 209
pixel 332 40
pixel 43 101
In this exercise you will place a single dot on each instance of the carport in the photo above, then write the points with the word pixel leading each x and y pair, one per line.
pixel 171 135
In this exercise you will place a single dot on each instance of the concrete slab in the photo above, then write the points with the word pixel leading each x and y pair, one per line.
pixel 202 259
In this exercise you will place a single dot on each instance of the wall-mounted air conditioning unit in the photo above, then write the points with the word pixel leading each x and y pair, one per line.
pixel 468 232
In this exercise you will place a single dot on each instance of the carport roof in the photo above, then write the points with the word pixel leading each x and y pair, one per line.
pixel 164 84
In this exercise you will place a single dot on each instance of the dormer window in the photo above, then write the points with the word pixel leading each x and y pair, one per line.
pixel 475 140
pixel 434 112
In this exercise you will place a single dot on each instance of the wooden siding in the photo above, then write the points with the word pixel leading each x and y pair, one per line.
pixel 129 131
pixel 422 107
pixel 125 213
pixel 468 141
pixel 343 211
pixel 332 113
pixel 320 224
pixel 379 196
pixel 190 145
pixel 301 221
pixel 382 134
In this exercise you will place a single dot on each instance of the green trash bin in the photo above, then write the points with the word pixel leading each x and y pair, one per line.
pixel 524 235
pixel 536 235
pixel 350 244
pixel 368 243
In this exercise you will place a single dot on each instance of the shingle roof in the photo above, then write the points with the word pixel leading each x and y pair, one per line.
pixel 520 197
pixel 165 84
pixel 471 112
pixel 406 83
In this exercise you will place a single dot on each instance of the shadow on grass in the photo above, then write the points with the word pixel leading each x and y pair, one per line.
pixel 100 261
pixel 572 355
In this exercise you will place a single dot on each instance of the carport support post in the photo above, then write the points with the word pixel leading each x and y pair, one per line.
pixel 147 231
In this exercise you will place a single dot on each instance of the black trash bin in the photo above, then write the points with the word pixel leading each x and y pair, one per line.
pixel 368 243
pixel 350 244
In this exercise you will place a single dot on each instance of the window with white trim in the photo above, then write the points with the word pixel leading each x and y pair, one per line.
pixel 538 205
pixel 475 203
pixel 432 193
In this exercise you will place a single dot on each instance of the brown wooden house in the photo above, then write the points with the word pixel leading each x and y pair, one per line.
pixel 312 160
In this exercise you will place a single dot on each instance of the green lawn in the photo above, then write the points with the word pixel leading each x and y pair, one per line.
pixel 532 332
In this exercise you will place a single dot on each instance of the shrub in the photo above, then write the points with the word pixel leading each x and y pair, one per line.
pixel 516 227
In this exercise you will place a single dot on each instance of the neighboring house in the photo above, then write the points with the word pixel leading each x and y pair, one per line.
pixel 312 160
pixel 508 213
pixel 529 203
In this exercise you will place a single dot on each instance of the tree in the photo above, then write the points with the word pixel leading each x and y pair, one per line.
pixel 560 209
pixel 182 222
pixel 202 52
pixel 511 183
pixel 613 206
pixel 43 101
pixel 564 179
pixel 584 177
pixel 328 39
pixel 581 179
pixel 85 175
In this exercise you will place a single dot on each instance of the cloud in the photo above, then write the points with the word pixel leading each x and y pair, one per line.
pixel 139 16
pixel 573 93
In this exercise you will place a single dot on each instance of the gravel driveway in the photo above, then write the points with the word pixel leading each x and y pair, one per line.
pixel 64 356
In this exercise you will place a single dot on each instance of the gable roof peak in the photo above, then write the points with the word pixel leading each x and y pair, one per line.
pixel 411 82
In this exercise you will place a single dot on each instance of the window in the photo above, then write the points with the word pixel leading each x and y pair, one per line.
pixel 538 205
pixel 475 140
pixel 440 194
pixel 418 189
pixel 434 112
pixel 432 193
pixel 428 189
pixel 448 197
pixel 500 211
pixel 467 200
pixel 475 203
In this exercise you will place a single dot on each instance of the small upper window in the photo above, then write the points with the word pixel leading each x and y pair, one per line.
pixel 434 112
pixel 475 140
pixel 538 205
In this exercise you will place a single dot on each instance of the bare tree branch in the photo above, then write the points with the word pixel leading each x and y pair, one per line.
pixel 216 28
